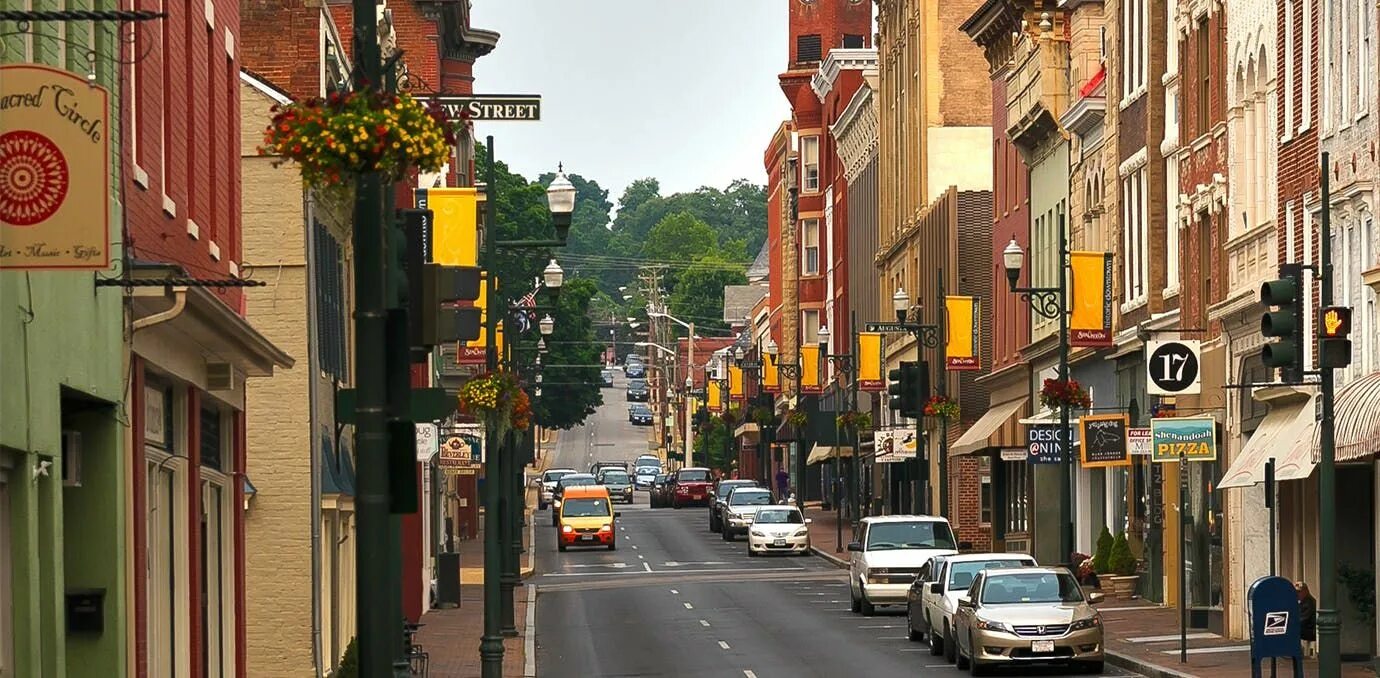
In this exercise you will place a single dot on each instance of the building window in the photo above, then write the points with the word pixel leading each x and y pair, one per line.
pixel 1286 97
pixel 854 42
pixel 1017 500
pixel 809 160
pixel 985 499
pixel 164 585
pixel 809 327
pixel 809 246
pixel 807 48
pixel 1366 58
pixel 1171 228
pixel 1306 66
pixel 331 304
pixel 211 438
pixel 216 559
pixel 1133 68
pixel 1204 76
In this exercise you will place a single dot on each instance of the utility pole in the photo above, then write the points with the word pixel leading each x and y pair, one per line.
pixel 380 638
pixel 1329 635
pixel 491 643
pixel 941 368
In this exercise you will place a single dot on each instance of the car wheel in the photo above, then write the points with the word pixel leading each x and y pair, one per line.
pixel 751 553
pixel 613 546
pixel 727 534
pixel 911 634
pixel 960 660
pixel 936 642
pixel 856 604
pixel 1093 668
pixel 868 609
pixel 950 646
pixel 975 668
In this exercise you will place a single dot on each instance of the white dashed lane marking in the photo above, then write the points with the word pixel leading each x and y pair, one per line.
pixel 723 645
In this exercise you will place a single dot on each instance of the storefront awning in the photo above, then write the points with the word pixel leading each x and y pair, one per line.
pixel 1285 435
pixel 979 436
pixel 1357 418
pixel 820 453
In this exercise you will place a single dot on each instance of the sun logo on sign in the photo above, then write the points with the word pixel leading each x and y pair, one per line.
pixel 33 178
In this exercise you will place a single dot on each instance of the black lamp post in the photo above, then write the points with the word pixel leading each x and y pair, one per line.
pixel 561 201
pixel 927 336
pixel 1052 302
pixel 719 368
pixel 843 362
pixel 792 371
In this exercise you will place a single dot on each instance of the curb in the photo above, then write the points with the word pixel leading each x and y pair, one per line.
pixel 529 640
pixel 1143 667
pixel 830 558
pixel 525 571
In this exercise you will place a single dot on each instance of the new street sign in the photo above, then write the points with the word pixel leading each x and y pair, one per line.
pixel 492 107
pixel 889 327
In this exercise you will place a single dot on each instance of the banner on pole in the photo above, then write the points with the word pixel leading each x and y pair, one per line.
pixel 455 234
pixel 809 369
pixel 962 323
pixel 870 362
pixel 771 374
pixel 1090 299
pixel 714 395
pixel 735 383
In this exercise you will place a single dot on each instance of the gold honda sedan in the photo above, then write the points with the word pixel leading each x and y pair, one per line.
pixel 1031 615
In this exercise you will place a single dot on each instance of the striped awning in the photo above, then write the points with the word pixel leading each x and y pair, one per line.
pixel 1282 436
pixel 1357 419
pixel 988 430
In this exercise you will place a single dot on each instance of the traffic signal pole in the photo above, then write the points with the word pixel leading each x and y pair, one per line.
pixel 491 643
pixel 1329 635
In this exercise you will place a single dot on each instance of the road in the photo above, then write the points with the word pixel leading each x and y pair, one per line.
pixel 677 600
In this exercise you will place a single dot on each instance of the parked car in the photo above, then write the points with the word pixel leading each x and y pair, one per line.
pixel 637 391
pixel 586 518
pixel 635 370
pixel 932 599
pixel 1029 615
pixel 644 474
pixel 639 414
pixel 691 486
pixel 607 376
pixel 660 493
pixel 619 484
pixel 888 555
pixel 548 485
pixel 779 529
pixel 647 460
pixel 740 509
pixel 718 497
pixel 567 481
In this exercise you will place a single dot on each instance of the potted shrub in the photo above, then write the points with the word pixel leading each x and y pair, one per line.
pixel 1122 565
pixel 1103 552
pixel 853 421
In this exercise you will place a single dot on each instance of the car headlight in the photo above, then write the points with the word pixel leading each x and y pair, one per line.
pixel 567 529
pixel 1088 623
pixel 759 533
pixel 988 625
pixel 801 532
pixel 877 575
pixel 605 527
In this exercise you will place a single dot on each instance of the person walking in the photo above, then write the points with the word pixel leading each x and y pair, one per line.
pixel 783 485
pixel 1308 618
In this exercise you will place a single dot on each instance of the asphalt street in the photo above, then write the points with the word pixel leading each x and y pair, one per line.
pixel 676 600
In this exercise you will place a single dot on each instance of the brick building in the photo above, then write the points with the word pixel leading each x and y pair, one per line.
pixel 192 346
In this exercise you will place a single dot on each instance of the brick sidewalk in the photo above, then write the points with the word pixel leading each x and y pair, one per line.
pixel 1141 636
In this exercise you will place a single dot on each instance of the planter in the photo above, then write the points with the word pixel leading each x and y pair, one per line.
pixel 1119 587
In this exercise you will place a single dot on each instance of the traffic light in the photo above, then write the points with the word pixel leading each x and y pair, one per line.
pixel 1284 324
pixel 1334 348
pixel 427 291
pixel 907 385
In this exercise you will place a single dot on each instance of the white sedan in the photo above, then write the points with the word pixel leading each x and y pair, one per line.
pixel 779 529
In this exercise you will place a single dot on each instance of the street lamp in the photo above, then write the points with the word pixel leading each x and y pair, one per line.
pixel 843 362
pixel 547 325
pixel 1050 302
pixel 560 197
pixel 900 302
pixel 553 276
pixel 791 371
pixel 929 335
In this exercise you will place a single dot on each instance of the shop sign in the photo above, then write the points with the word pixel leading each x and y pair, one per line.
pixel 461 451
pixel 428 441
pixel 1042 443
pixel 893 445
pixel 54 170
pixel 1138 440
pixel 1104 440
pixel 1173 368
pixel 155 431
pixel 1183 439
pixel 1013 454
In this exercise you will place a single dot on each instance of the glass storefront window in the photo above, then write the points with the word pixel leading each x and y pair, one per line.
pixel 1017 497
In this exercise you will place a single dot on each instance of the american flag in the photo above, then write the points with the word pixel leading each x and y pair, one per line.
pixel 523 318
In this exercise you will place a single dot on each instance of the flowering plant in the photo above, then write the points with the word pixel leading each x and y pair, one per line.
pixel 797 417
pixel 942 407
pixel 497 400
pixel 1056 393
pixel 854 421
pixel 356 132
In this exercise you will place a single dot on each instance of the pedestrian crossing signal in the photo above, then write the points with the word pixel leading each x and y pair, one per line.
pixel 1334 348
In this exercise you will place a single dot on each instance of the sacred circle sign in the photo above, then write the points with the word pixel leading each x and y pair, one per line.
pixel 54 170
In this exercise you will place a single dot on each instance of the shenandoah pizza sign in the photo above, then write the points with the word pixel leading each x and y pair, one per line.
pixel 54 170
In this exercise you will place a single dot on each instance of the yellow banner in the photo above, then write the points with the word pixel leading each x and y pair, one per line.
pixel 735 383
pixel 870 361
pixel 54 170
pixel 715 395
pixel 809 368
pixel 455 227
pixel 962 324
pixel 1090 300
pixel 771 374
pixel 472 352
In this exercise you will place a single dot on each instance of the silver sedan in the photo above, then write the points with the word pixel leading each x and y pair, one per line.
pixel 779 529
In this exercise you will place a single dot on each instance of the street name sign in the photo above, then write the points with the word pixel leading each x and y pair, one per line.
pixel 492 107
pixel 889 327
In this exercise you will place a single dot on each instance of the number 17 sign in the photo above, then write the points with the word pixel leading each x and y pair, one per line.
pixel 1172 368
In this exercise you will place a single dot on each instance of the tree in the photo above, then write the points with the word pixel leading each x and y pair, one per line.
pixel 699 291
pixel 570 374
pixel 1103 553
pixel 679 237
pixel 1121 561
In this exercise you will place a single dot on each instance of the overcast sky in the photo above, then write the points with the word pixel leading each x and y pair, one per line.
pixel 681 90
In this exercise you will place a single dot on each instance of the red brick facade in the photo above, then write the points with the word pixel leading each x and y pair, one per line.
pixel 1010 218
pixel 1298 149
pixel 1202 168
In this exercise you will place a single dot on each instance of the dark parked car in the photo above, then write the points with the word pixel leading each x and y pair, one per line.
pixel 608 376
pixel 571 480
pixel 639 414
pixel 661 490
pixel 719 497
pixel 637 390
pixel 635 370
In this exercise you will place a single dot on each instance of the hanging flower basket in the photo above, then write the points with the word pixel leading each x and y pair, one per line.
pixel 941 407
pixel 854 421
pixel 797 418
pixel 342 135
pixel 1058 393
pixel 497 400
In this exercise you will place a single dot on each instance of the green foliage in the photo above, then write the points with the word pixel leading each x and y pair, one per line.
pixel 573 362
pixel 349 664
pixel 699 292
pixel 1120 561
pixel 1103 553
pixel 1360 588
pixel 679 237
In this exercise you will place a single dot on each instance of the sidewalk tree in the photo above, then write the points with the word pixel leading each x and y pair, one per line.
pixel 1103 554
pixel 1121 562
pixel 573 362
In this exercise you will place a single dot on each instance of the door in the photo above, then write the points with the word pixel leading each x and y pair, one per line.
pixel 6 609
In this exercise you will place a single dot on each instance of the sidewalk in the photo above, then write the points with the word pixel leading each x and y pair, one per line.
pixel 451 637
pixel 1141 636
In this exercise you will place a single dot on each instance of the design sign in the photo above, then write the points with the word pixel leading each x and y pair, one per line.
pixel 54 170
pixel 1042 443
pixel 1172 368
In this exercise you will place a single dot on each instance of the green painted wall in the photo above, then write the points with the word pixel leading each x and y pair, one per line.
pixel 62 335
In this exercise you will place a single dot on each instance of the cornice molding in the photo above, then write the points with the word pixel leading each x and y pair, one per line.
pixel 838 61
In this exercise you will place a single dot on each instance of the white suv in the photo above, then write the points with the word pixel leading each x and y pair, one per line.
pixel 889 552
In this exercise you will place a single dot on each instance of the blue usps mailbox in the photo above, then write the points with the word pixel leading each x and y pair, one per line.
pixel 1274 610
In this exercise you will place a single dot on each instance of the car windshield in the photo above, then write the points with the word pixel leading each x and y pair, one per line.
pixel 695 476
pixel 1032 587
pixel 585 508
pixel 574 482
pixel 553 476
pixel 779 517
pixel 661 477
pixel 647 470
pixel 961 575
pixel 920 534
pixel 641 409
pixel 636 384
pixel 616 477
pixel 749 498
